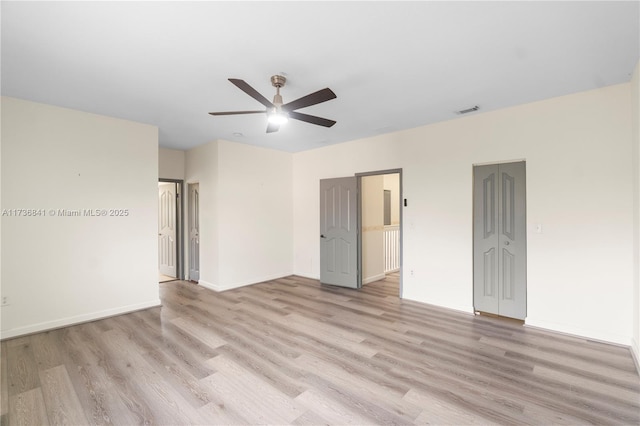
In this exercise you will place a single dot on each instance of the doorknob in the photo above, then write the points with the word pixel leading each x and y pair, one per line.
pixel 506 243
pixel 322 236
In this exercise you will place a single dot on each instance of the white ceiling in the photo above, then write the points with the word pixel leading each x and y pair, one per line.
pixel 393 65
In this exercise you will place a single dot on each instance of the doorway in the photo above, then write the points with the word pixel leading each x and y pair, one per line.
pixel 194 232
pixel 380 226
pixel 352 241
pixel 500 240
pixel 169 230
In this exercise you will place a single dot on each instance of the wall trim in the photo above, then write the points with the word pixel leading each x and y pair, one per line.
pixel 220 288
pixel 311 277
pixel 374 278
pixel 604 337
pixel 78 319
pixel 209 285
pixel 635 354
pixel 459 308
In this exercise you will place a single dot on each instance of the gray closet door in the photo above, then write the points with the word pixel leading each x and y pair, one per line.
pixel 499 240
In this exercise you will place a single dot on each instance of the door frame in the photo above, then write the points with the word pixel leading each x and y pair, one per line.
pixel 179 225
pixel 359 177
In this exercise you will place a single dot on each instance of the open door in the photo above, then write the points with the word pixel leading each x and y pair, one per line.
pixel 339 232
pixel 167 247
pixel 194 232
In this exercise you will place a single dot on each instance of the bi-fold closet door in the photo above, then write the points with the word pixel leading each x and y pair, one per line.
pixel 499 239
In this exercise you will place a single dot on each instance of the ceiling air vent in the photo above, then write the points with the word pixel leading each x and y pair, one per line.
pixel 468 110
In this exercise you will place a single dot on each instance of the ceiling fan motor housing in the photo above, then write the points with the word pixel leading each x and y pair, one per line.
pixel 278 81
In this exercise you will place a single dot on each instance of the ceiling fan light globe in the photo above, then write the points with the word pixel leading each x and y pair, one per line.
pixel 278 118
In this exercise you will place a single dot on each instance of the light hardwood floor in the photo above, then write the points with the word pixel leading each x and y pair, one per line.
pixel 291 351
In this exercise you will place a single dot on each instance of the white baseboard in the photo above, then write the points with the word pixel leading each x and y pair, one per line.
pixel 209 285
pixel 311 277
pixel 78 319
pixel 219 287
pixel 459 308
pixel 373 278
pixel 635 353
pixel 579 332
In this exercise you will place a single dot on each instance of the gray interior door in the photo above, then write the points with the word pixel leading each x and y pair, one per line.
pixel 167 248
pixel 194 232
pixel 499 240
pixel 339 232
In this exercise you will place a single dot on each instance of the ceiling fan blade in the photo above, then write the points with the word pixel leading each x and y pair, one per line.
pixel 311 99
pixel 311 119
pixel 271 127
pixel 236 112
pixel 244 86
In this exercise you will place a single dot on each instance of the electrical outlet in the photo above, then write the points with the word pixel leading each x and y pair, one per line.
pixel 412 272
pixel 5 300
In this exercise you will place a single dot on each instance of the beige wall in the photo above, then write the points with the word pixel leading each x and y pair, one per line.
pixel 59 270
pixel 392 183
pixel 246 213
pixel 1 206
pixel 579 188
pixel 635 119
pixel 171 164
pixel 372 193
pixel 255 207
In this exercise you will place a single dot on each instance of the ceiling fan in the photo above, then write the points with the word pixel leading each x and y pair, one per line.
pixel 277 112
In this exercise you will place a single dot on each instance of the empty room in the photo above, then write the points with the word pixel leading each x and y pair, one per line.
pixel 320 212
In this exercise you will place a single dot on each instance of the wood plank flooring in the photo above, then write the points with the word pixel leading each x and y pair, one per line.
pixel 291 351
